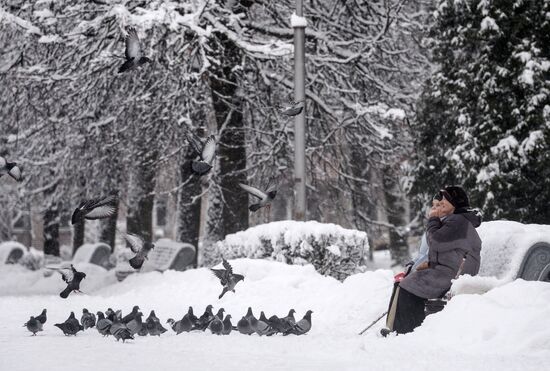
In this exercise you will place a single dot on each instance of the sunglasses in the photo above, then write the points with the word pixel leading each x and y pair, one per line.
pixel 442 193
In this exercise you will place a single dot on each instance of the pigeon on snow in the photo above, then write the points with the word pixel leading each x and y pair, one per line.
pixel 244 326
pixel 259 326
pixel 10 168
pixel 88 319
pixel 70 326
pixel 216 326
pixel 97 208
pixel 265 197
pixel 191 316
pixel 153 325
pixel 140 247
pixel 130 316
pixel 135 325
pixel 110 314
pixel 207 152
pixel 302 326
pixel 134 56
pixel 42 317
pixel 119 330
pixel 227 325
pixel 72 277
pixel 103 324
pixel 33 325
pixel 205 319
pixel 227 278
pixel 183 325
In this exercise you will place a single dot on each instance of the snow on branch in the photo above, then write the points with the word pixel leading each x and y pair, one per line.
pixel 8 18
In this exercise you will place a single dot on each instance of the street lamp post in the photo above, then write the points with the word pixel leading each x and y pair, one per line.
pixel 300 120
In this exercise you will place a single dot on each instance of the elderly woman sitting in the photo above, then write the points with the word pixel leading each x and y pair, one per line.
pixel 454 248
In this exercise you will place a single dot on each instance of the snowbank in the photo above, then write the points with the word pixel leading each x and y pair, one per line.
pixel 505 244
pixel 331 249
pixel 500 330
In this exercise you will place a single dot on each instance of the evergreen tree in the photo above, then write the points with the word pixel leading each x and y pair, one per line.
pixel 484 116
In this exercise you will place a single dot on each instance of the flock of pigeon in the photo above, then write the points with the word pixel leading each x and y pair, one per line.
pixel 112 323
pixel 125 328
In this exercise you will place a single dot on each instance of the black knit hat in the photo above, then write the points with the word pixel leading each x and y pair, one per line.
pixel 457 196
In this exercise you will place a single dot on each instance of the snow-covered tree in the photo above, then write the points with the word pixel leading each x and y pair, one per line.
pixel 484 117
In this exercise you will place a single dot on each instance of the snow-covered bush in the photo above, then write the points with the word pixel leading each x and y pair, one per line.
pixel 331 249
pixel 33 259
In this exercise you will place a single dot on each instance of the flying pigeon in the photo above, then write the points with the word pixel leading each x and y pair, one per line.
pixel 42 317
pixel 72 277
pixel 227 325
pixel 140 247
pixel 153 325
pixel 292 108
pixel 130 316
pixel 227 278
pixel 134 56
pixel 119 330
pixel 135 325
pixel 265 197
pixel 10 168
pixel 97 208
pixel 302 326
pixel 70 326
pixel 33 325
pixel 207 152
pixel 103 324
pixel 205 319
pixel 88 319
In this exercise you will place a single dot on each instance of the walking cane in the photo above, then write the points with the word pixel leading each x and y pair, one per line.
pixel 373 322
pixel 397 278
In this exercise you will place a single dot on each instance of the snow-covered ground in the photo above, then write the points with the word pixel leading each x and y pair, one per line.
pixel 506 328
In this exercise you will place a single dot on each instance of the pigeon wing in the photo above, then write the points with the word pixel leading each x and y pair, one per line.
pixel 14 172
pixel 221 274
pixel 101 212
pixel 253 191
pixel 209 150
pixel 133 49
pixel 227 266
pixel 135 242
pixel 194 141
pixel 67 274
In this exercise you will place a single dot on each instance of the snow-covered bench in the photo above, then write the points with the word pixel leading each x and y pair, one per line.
pixel 95 253
pixel 509 250
pixel 11 252
pixel 167 254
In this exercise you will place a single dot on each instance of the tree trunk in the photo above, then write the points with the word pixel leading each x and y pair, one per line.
pixel 231 149
pixel 78 235
pixel 189 206
pixel 399 248
pixel 108 231
pixel 213 228
pixel 141 199
pixel 51 231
